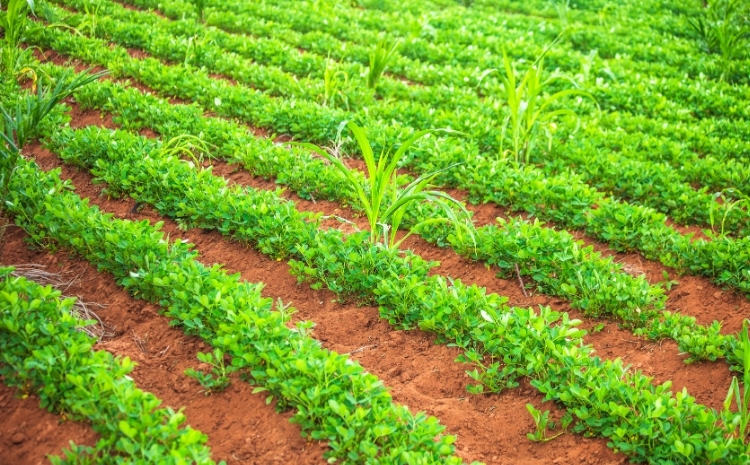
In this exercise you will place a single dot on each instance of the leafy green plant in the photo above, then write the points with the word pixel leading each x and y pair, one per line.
pixel 14 25
pixel 542 423
pixel 668 283
pixel 19 123
pixel 386 202
pixel 218 379
pixel 530 109
pixel 380 56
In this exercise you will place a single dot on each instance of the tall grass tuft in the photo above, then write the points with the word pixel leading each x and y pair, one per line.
pixel 379 58
pixel 14 25
pixel 723 30
pixel 18 124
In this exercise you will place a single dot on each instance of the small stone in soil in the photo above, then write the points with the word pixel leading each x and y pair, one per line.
pixel 18 438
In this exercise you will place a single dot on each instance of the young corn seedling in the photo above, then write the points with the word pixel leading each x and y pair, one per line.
pixel 727 205
pixel 379 59
pixel 738 423
pixel 530 108
pixel 542 422
pixel 335 82
pixel 17 125
pixel 14 25
pixel 385 203
pixel 218 379
pixel 563 9
pixel 200 9
pixel 194 49
pixel 91 19
pixel 722 30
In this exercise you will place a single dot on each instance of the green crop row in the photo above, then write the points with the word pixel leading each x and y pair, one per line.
pixel 718 171
pixel 555 261
pixel 43 351
pixel 564 199
pixel 654 184
pixel 606 397
pixel 450 37
pixel 272 36
pixel 335 399
pixel 452 62
pixel 270 48
pixel 637 98
pixel 244 45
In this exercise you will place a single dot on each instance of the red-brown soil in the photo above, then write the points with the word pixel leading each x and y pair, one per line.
pixel 29 433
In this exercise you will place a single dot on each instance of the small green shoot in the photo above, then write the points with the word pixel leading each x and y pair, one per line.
pixel 727 205
pixel 491 376
pixel 598 328
pixel 542 423
pixel 335 82
pixel 380 56
pixel 562 7
pixel 200 9
pixel 668 283
pixel 188 146
pixel 14 25
pixel 194 48
pixel 218 379
pixel 286 310
pixel 90 20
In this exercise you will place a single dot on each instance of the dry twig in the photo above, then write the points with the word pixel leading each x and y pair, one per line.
pixel 520 280
pixel 141 342
pixel 81 310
